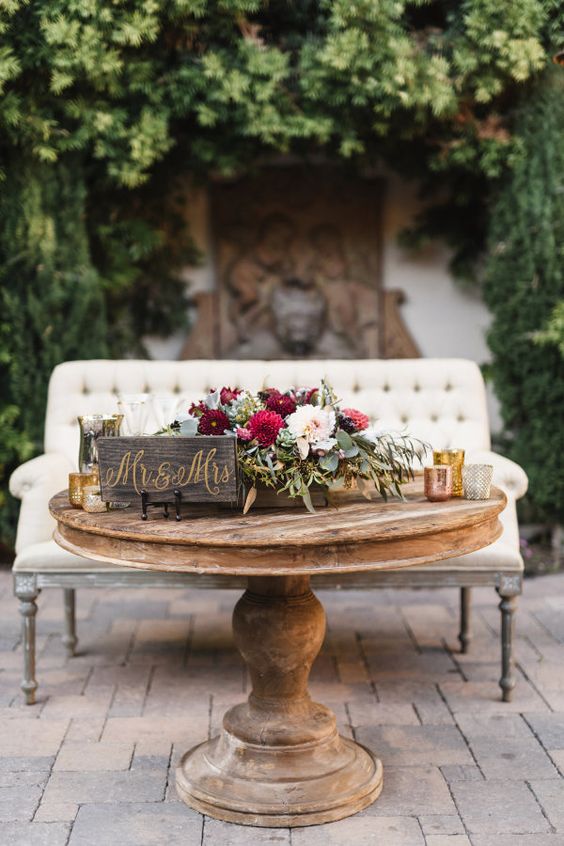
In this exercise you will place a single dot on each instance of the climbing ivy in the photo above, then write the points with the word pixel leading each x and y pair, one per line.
pixel 524 288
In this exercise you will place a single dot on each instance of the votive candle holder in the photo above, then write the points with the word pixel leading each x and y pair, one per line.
pixel 437 482
pixel 77 482
pixel 92 499
pixel 455 458
pixel 477 480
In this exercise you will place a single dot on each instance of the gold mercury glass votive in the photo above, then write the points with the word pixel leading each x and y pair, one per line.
pixel 477 480
pixel 454 457
pixel 77 482
pixel 92 499
pixel 437 482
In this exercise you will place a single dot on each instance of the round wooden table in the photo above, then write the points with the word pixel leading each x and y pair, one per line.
pixel 279 760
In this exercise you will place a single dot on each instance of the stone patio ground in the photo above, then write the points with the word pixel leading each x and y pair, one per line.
pixel 92 763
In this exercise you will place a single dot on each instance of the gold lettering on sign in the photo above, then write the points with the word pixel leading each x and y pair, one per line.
pixel 126 467
pixel 203 469
pixel 162 481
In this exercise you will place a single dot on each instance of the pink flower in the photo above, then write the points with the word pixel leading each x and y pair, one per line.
pixel 361 421
pixel 243 434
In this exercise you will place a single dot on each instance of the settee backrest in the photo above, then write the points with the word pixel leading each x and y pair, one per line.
pixel 442 401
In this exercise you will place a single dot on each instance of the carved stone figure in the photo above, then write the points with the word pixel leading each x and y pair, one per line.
pixel 352 306
pixel 297 328
pixel 297 263
pixel 254 275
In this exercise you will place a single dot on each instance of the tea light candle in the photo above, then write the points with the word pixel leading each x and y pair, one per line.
pixel 477 480
pixel 92 500
pixel 455 458
pixel 77 482
pixel 437 482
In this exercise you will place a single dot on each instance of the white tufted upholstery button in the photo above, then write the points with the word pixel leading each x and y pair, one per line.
pixel 461 418
pixel 386 388
pixel 448 387
pixel 26 486
pixel 176 389
pixel 85 390
pixel 404 418
pixel 356 389
pixel 146 389
pixel 416 388
pixel 434 418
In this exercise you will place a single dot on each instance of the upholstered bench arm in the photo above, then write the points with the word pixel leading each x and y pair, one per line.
pixel 34 483
pixel 507 474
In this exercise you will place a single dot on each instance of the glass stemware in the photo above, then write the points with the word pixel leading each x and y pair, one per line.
pixel 134 408
pixel 165 408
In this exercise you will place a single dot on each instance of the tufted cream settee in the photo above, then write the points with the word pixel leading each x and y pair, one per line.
pixel 442 401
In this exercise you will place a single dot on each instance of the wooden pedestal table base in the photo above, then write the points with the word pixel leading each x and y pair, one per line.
pixel 279 760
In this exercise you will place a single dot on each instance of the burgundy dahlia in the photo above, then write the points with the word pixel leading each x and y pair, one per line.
pixel 268 392
pixel 281 403
pixel 264 427
pixel 213 422
pixel 197 408
pixel 228 395
pixel 345 423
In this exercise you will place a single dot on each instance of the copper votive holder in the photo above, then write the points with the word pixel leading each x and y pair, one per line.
pixel 477 480
pixel 77 482
pixel 454 457
pixel 92 499
pixel 437 482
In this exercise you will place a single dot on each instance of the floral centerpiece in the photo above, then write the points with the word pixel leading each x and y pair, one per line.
pixel 296 440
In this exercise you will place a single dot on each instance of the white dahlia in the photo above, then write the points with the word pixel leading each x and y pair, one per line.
pixel 310 424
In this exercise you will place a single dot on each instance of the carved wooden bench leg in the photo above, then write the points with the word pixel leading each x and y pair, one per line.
pixel 27 592
pixel 465 635
pixel 69 637
pixel 509 589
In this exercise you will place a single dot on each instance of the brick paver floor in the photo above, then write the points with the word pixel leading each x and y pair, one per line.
pixel 92 763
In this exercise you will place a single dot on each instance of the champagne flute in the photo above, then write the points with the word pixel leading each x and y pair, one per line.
pixel 134 408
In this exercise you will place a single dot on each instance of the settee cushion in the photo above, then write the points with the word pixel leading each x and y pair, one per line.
pixel 48 557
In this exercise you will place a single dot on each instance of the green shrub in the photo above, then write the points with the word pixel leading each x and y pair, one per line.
pixel 524 288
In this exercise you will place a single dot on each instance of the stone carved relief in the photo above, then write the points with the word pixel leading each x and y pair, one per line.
pixel 297 260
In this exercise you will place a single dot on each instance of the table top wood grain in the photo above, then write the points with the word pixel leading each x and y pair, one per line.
pixel 350 534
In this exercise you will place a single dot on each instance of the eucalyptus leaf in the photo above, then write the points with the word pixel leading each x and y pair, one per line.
pixel 306 496
pixel 251 496
pixel 344 439
pixel 350 453
pixel 329 462
pixel 270 467
pixel 365 488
